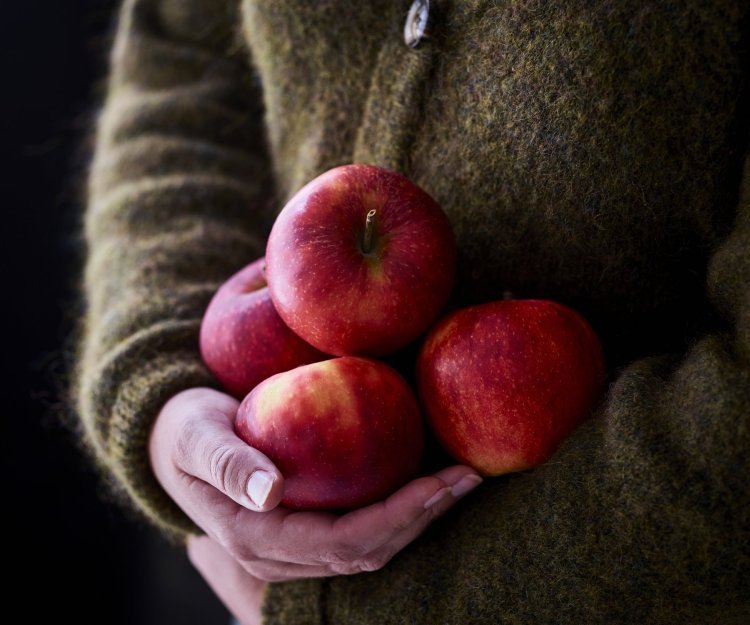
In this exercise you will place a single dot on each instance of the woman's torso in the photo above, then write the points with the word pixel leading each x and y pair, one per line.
pixel 584 151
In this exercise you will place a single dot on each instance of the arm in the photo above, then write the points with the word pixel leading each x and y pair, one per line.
pixel 176 202
pixel 643 516
pixel 176 198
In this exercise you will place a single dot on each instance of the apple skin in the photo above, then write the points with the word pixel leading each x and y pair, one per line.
pixel 339 298
pixel 503 384
pixel 243 340
pixel 343 432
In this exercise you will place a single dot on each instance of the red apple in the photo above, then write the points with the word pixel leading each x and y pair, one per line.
pixel 344 432
pixel 243 340
pixel 502 384
pixel 360 261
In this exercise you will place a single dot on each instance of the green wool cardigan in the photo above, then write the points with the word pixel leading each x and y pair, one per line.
pixel 589 152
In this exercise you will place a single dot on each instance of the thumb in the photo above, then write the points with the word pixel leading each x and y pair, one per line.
pixel 211 451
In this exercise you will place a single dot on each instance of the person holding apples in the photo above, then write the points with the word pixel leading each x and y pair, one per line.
pixel 591 154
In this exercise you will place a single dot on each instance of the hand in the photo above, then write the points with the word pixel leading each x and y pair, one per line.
pixel 232 492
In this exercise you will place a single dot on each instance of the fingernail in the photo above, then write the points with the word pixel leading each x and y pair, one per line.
pixel 465 484
pixel 258 487
pixel 438 496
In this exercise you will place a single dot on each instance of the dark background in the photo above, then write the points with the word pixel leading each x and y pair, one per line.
pixel 80 556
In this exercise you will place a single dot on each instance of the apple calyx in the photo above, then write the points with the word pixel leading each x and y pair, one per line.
pixel 369 227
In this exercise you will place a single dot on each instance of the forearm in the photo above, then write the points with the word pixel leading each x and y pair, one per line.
pixel 178 191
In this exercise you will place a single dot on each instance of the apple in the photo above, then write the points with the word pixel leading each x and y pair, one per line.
pixel 503 384
pixel 243 340
pixel 343 432
pixel 360 261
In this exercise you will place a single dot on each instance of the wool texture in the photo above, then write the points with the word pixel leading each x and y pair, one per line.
pixel 590 152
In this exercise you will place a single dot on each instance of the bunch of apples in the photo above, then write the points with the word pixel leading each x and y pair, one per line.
pixel 359 264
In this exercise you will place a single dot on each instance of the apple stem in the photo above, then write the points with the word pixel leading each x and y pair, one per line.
pixel 369 227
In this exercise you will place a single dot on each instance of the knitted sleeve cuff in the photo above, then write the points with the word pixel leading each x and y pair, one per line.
pixel 124 392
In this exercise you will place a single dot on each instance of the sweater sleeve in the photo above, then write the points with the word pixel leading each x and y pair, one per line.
pixel 177 200
pixel 643 516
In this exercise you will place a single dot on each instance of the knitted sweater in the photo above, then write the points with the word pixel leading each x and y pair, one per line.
pixel 589 152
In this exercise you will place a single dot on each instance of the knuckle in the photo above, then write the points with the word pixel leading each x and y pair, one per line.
pixel 398 519
pixel 343 555
pixel 372 562
pixel 221 467
pixel 352 561
pixel 343 568
pixel 401 523
pixel 267 571
pixel 272 577
pixel 435 511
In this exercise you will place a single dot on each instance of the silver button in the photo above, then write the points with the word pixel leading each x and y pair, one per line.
pixel 415 28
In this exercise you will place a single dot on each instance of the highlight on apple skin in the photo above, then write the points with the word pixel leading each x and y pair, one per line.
pixel 343 432
pixel 360 261
pixel 243 340
pixel 503 384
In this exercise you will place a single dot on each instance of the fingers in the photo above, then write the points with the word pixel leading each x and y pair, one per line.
pixel 208 448
pixel 281 545
pixel 441 503
pixel 362 540
pixel 376 533
pixel 423 498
